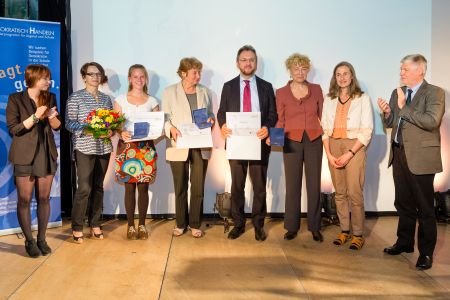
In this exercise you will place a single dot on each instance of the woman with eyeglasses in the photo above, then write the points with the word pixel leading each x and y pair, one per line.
pixel 31 116
pixel 299 108
pixel 135 165
pixel 91 154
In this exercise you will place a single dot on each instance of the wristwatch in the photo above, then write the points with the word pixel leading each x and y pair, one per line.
pixel 35 119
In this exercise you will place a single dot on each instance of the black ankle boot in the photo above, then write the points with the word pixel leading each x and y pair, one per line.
pixel 43 246
pixel 32 249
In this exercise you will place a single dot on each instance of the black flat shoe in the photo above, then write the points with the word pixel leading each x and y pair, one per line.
pixel 317 236
pixel 43 246
pixel 32 248
pixel 424 262
pixel 260 234
pixel 396 250
pixel 236 232
pixel 290 235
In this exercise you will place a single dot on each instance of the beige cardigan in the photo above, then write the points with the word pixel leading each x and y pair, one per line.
pixel 359 118
pixel 177 111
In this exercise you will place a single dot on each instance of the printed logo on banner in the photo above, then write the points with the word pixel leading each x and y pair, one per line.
pixel 24 42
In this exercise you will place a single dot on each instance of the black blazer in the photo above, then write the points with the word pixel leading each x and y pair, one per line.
pixel 230 101
pixel 24 141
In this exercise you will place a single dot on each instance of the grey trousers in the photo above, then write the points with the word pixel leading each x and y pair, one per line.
pixel 295 155
pixel 181 178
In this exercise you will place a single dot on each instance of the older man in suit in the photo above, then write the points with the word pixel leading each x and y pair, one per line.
pixel 248 93
pixel 414 113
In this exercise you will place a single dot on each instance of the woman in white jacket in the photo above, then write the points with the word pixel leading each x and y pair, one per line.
pixel 178 102
pixel 347 121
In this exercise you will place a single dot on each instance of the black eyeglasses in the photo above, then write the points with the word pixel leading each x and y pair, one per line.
pixel 94 74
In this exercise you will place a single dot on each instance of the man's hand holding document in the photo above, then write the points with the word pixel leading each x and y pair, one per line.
pixel 244 140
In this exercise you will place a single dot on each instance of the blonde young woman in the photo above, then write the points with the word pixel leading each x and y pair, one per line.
pixel 347 121
pixel 136 161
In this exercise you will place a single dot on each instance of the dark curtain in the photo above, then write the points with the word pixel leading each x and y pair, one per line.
pixel 59 11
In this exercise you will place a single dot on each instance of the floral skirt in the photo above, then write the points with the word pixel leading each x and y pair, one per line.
pixel 135 162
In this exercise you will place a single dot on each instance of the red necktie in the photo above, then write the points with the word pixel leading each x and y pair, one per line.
pixel 247 97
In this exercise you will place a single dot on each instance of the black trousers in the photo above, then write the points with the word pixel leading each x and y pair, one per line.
pixel 258 177
pixel 91 170
pixel 295 155
pixel 180 173
pixel 414 199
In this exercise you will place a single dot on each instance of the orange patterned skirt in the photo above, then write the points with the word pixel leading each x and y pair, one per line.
pixel 136 162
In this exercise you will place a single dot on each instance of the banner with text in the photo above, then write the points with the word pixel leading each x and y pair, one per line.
pixel 25 42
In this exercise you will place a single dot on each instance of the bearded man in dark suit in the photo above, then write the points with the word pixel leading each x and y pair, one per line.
pixel 248 92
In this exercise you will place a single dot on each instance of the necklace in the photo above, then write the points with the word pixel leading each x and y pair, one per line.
pixel 343 102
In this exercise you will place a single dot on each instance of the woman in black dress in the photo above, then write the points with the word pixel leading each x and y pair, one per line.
pixel 31 115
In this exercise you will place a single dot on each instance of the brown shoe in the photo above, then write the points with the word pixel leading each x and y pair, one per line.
pixel 142 232
pixel 131 233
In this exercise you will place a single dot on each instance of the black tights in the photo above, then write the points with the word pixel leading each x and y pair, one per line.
pixel 42 186
pixel 130 201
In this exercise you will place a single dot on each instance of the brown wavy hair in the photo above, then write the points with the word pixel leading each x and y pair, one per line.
pixel 187 64
pixel 83 71
pixel 138 67
pixel 33 73
pixel 354 88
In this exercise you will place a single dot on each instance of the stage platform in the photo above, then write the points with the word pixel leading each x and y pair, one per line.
pixel 213 267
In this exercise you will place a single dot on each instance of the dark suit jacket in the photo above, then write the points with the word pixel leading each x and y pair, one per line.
pixel 230 101
pixel 24 141
pixel 420 131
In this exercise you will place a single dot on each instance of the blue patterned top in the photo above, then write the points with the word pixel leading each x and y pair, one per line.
pixel 79 105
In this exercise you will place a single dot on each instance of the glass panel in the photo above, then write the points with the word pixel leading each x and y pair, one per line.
pixel 20 9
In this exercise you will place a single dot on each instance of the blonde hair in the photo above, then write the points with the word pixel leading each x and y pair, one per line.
pixel 142 68
pixel 297 59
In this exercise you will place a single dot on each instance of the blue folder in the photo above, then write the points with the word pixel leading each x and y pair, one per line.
pixel 276 136
pixel 141 130
pixel 200 117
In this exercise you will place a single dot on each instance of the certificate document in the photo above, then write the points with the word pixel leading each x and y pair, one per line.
pixel 155 121
pixel 243 142
pixel 193 137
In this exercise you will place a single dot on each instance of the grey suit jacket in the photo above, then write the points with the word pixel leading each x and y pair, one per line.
pixel 177 111
pixel 420 131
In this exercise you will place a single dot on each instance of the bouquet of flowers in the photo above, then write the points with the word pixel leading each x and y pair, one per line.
pixel 100 122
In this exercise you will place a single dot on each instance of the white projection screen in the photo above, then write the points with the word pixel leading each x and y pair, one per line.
pixel 372 35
